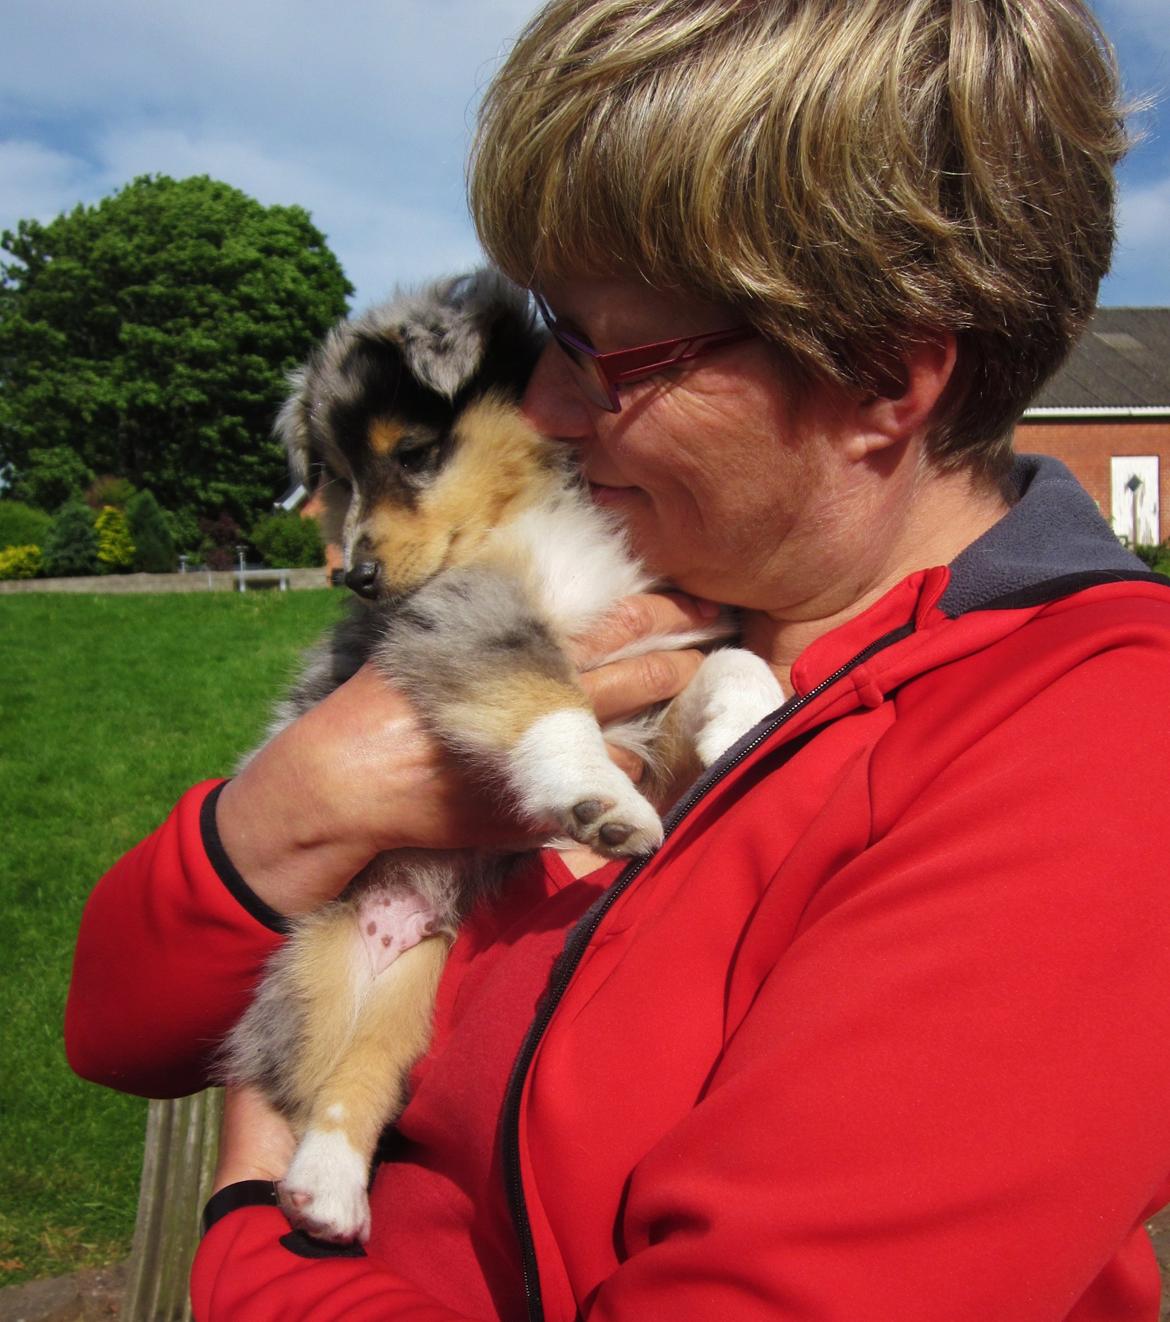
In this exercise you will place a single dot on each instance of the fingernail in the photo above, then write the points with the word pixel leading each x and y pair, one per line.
pixel 707 609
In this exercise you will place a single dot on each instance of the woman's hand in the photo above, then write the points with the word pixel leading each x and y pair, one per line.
pixel 357 774
pixel 255 1142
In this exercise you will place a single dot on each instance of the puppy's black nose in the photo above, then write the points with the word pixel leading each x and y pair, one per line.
pixel 363 579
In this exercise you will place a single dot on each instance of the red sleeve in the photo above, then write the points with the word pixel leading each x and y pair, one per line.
pixel 242 1270
pixel 171 945
pixel 949 1098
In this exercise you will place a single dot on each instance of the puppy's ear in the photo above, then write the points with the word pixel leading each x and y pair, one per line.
pixel 445 331
pixel 442 335
pixel 292 426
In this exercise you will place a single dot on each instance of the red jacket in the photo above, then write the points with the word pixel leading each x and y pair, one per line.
pixel 880 1032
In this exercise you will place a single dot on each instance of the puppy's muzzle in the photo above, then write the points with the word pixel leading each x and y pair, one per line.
pixel 363 579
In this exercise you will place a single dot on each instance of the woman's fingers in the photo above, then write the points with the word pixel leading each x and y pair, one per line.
pixel 621 689
pixel 636 619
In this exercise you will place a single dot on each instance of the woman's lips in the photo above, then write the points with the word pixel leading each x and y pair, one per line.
pixel 602 494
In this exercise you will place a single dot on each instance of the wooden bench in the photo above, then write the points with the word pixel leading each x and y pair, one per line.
pixel 246 576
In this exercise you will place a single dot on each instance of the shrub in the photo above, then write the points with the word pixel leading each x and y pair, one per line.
pixel 20 562
pixel 1153 555
pixel 109 490
pixel 115 546
pixel 287 541
pixel 21 525
pixel 154 551
pixel 71 546
pixel 183 528
pixel 221 536
pixel 52 476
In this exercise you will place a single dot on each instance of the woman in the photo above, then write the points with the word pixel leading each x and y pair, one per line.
pixel 879 1031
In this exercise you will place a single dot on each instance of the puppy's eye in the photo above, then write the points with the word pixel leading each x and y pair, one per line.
pixel 418 459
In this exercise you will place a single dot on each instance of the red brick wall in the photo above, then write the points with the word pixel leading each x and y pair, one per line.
pixel 1087 447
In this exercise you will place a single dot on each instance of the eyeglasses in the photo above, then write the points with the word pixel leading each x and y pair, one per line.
pixel 601 374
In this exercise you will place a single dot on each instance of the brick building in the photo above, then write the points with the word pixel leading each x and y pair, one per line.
pixel 1106 414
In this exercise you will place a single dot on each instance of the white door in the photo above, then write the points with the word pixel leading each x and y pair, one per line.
pixel 1135 498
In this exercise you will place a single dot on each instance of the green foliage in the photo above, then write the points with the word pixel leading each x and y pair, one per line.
pixel 183 528
pixel 154 551
pixel 82 778
pixel 115 546
pixel 51 476
pixel 1156 557
pixel 71 547
pixel 109 490
pixel 153 331
pixel 21 525
pixel 20 562
pixel 287 541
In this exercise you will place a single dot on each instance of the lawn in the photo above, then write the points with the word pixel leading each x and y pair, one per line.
pixel 110 706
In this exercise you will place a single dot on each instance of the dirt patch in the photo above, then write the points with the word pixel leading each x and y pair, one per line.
pixel 94 1295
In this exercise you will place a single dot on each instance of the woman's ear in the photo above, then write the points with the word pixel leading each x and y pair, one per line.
pixel 910 391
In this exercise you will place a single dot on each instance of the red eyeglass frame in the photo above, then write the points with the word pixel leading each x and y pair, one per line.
pixel 602 373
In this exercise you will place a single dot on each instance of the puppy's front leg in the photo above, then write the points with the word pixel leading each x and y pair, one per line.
pixel 486 671
pixel 732 691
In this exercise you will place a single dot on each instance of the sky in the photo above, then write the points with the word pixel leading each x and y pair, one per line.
pixel 361 111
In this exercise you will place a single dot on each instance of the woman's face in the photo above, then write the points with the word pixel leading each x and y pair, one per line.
pixel 725 480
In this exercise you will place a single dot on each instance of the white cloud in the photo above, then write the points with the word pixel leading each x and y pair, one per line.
pixel 1141 272
pixel 37 182
pixel 361 112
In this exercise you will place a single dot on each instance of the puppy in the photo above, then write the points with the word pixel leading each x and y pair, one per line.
pixel 475 552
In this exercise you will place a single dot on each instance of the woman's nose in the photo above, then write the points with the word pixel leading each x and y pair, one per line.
pixel 552 402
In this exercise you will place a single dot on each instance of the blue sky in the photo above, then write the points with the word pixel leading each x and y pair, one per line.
pixel 360 111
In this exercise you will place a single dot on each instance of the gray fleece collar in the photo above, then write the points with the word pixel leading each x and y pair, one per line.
pixel 1054 531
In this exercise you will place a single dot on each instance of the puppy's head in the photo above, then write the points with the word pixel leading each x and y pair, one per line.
pixel 406 420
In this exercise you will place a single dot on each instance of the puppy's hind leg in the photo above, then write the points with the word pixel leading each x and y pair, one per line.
pixel 324 1189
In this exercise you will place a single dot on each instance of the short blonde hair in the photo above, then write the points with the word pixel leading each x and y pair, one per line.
pixel 851 174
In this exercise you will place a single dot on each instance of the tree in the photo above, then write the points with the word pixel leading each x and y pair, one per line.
pixel 109 490
pixel 288 541
pixel 115 546
pixel 154 552
pixel 51 476
pixel 152 334
pixel 71 546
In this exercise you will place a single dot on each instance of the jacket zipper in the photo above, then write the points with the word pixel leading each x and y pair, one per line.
pixel 566 965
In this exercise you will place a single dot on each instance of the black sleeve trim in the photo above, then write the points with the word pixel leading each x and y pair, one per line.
pixel 305 1246
pixel 245 1193
pixel 228 872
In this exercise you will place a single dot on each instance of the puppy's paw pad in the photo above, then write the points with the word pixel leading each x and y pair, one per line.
pixel 621 824
pixel 589 810
pixel 563 778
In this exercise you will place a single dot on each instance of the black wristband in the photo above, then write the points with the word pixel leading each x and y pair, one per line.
pixel 245 1193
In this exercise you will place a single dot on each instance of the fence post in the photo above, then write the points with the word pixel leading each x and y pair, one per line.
pixel 178 1164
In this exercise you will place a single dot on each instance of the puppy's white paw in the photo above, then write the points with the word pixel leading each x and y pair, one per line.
pixel 562 776
pixel 732 691
pixel 324 1190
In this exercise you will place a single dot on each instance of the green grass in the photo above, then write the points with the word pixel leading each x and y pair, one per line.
pixel 110 706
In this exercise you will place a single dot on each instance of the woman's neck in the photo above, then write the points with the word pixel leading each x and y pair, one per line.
pixel 945 513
